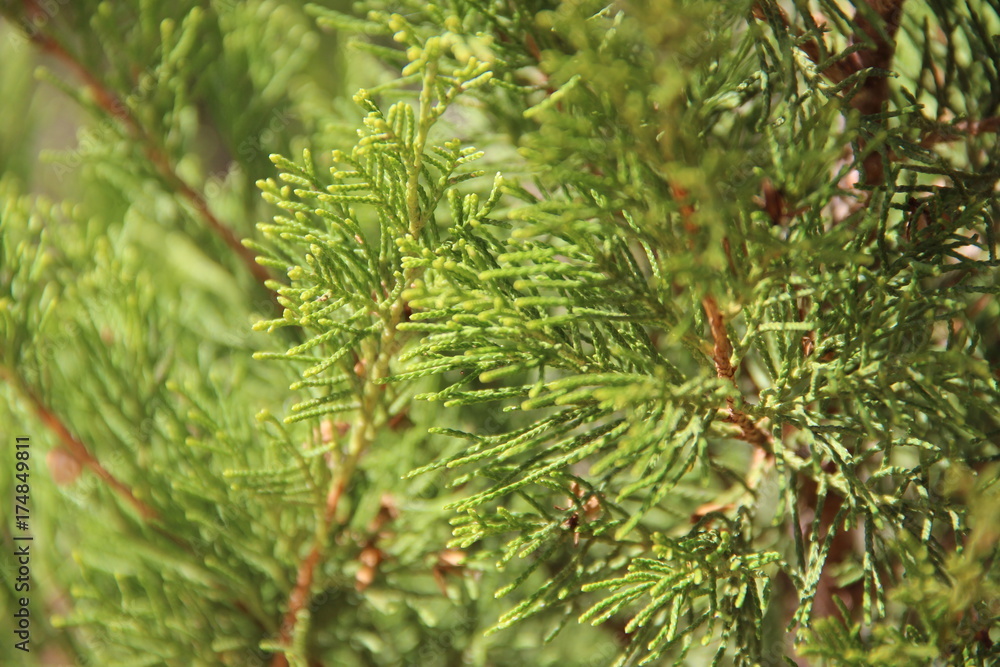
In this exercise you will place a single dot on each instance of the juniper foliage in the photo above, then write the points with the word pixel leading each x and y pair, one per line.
pixel 683 314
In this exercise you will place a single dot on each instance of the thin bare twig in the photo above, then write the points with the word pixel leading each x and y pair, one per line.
pixel 972 128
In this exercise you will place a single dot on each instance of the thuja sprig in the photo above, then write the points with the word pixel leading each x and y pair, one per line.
pixel 618 302
pixel 563 313
pixel 364 232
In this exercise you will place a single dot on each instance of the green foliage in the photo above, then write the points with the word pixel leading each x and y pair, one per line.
pixel 947 599
pixel 682 313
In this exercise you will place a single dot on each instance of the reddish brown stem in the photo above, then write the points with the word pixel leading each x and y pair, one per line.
pixel 970 128
pixel 83 456
pixel 722 349
pixel 721 352
pixel 873 92
pixel 300 595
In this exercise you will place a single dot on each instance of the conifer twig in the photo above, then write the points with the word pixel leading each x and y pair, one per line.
pixel 722 348
pixel 375 358
pixel 380 352
pixel 111 104
pixel 362 432
pixel 77 449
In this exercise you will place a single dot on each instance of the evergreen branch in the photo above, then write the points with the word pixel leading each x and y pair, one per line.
pixel 83 456
pixel 77 449
pixel 113 106
pixel 722 348
pixel 618 312
pixel 362 435
pixel 399 131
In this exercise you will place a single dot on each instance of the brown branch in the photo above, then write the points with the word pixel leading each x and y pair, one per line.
pixel 77 449
pixel 873 92
pixel 721 352
pixel 722 348
pixel 298 599
pixel 971 128
pixel 880 56
pixel 108 101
